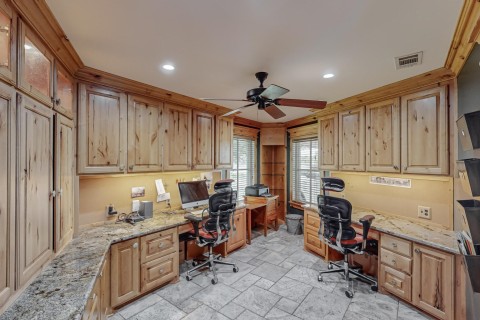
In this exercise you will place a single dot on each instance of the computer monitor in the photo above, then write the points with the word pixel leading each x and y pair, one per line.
pixel 193 193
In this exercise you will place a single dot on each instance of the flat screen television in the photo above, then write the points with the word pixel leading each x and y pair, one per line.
pixel 193 193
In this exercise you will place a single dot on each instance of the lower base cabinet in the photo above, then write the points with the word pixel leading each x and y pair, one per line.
pixel 159 271
pixel 93 309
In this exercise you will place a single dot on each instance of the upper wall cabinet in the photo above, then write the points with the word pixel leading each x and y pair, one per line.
pixel 64 85
pixel 102 130
pixel 7 192
pixel 178 138
pixel 424 132
pixel 223 143
pixel 35 187
pixel 383 136
pixel 8 34
pixel 328 142
pixel 352 139
pixel 144 134
pixel 35 67
pixel 203 141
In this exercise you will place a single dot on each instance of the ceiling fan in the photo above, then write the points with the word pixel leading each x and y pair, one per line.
pixel 268 99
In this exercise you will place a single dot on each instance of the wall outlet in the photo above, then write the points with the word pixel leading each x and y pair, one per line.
pixel 135 205
pixel 425 212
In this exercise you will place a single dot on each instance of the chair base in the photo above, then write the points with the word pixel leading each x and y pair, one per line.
pixel 346 269
pixel 210 262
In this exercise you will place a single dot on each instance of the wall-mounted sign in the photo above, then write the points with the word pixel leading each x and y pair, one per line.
pixel 392 182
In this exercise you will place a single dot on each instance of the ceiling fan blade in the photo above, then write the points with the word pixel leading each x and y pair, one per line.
pixel 273 92
pixel 274 111
pixel 299 103
pixel 214 99
pixel 237 110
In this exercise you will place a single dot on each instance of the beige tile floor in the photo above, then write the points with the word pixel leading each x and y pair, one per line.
pixel 277 280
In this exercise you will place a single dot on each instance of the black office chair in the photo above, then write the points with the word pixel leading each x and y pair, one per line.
pixel 336 231
pixel 215 230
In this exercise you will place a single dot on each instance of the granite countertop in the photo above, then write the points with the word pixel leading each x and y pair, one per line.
pixel 62 289
pixel 430 235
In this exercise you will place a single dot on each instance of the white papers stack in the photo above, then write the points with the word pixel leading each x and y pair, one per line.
pixel 161 194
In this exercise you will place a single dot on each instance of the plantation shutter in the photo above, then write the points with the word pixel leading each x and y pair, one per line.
pixel 243 171
pixel 305 173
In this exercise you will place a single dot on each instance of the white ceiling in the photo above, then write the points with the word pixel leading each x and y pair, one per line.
pixel 218 45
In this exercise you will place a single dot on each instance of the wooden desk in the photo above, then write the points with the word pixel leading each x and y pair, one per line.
pixel 249 208
pixel 268 207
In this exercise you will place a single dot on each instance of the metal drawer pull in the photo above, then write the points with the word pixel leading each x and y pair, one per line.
pixel 393 283
pixel 394 262
pixel 135 245
pixel 394 245
pixel 417 250
pixel 161 245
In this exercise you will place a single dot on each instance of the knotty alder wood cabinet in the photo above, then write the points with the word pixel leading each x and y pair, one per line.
pixel 145 134
pixel 178 138
pixel 223 143
pixel 203 141
pixel 383 136
pixel 102 130
pixel 8 35
pixel 7 192
pixel 352 139
pixel 35 189
pixel 328 142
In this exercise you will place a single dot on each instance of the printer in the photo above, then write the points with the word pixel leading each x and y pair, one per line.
pixel 257 190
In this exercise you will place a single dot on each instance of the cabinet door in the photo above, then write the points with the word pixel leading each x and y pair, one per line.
pixel 203 141
pixel 8 32
pixel 105 288
pixel 93 310
pixel 102 130
pixel 352 140
pixel 328 142
pixel 424 132
pixel 7 192
pixel 433 281
pixel 144 134
pixel 64 180
pixel 237 239
pixel 178 138
pixel 64 91
pixel 35 178
pixel 35 67
pixel 125 271
pixel 383 136
pixel 223 143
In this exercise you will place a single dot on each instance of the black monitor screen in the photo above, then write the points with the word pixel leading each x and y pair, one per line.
pixel 193 191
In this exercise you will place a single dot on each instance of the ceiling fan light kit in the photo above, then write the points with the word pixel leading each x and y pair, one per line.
pixel 268 99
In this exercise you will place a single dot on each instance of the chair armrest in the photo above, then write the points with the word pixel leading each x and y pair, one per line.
pixel 366 222
pixel 195 220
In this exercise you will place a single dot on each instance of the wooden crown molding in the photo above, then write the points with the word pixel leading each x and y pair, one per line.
pixel 246 122
pixel 95 76
pixel 39 17
pixel 247 132
pixel 466 35
pixel 433 78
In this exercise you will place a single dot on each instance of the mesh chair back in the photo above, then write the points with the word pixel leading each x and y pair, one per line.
pixel 329 209
pixel 221 207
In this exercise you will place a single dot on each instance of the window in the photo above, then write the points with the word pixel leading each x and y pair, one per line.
pixel 243 171
pixel 305 174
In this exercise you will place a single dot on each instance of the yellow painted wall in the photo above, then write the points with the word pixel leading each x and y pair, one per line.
pixel 96 192
pixel 430 191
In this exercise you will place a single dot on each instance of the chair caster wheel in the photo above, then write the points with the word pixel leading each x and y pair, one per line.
pixel 219 258
pixel 330 266
pixel 189 277
pixel 320 278
pixel 235 269
pixel 194 263
pixel 214 281
pixel 349 294
pixel 374 288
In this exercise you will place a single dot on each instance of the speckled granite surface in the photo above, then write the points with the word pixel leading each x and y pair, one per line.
pixel 62 289
pixel 432 236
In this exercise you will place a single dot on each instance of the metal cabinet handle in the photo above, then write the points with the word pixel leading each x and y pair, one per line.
pixel 4 29
pixel 393 283
pixel 417 250
pixel 161 245
pixel 130 167
pixel 135 245
pixel 395 167
pixel 394 262
pixel 58 101
pixel 122 167
pixel 394 245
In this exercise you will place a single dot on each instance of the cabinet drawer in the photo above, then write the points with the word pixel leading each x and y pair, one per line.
pixel 396 282
pixel 403 247
pixel 396 261
pixel 159 271
pixel 312 221
pixel 312 242
pixel 158 244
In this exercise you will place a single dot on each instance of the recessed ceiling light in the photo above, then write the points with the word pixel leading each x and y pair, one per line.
pixel 328 75
pixel 27 47
pixel 168 67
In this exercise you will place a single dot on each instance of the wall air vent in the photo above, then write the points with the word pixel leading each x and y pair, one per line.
pixel 408 60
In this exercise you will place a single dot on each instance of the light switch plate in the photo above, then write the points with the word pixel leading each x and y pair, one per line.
pixel 425 212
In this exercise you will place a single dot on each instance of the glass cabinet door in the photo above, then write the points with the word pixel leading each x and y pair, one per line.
pixel 7 34
pixel 64 85
pixel 36 67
